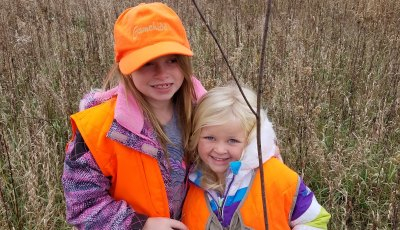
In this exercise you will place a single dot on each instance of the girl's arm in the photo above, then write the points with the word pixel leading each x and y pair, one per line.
pixel 308 214
pixel 86 190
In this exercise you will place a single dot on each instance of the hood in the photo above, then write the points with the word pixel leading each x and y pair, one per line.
pixel 250 154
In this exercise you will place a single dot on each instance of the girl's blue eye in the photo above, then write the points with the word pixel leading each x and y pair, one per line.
pixel 210 138
pixel 233 141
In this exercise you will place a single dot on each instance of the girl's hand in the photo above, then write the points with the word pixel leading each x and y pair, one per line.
pixel 161 223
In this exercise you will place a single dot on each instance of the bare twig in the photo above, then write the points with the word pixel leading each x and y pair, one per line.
pixel 260 85
pixel 259 90
pixel 223 55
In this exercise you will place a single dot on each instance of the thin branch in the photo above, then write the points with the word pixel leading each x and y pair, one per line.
pixel 223 55
pixel 259 90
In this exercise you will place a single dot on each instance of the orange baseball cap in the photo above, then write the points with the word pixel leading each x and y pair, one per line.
pixel 145 32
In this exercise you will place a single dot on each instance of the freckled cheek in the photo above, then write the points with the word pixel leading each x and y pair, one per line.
pixel 177 72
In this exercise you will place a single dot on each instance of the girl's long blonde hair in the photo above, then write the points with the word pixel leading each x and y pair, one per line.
pixel 219 106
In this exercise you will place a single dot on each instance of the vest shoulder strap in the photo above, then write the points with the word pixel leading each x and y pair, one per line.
pixel 97 120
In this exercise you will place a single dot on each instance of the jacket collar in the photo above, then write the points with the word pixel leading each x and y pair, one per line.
pixel 128 113
pixel 129 122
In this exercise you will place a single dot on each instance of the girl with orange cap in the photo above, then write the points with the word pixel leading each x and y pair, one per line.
pixel 124 166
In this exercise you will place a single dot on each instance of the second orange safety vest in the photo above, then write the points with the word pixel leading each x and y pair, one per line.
pixel 281 185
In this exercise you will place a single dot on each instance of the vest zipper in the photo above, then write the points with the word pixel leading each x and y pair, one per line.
pixel 220 210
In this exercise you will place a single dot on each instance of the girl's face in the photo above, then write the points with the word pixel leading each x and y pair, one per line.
pixel 220 144
pixel 159 79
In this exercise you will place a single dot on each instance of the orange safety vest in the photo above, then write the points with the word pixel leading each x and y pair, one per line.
pixel 281 185
pixel 135 177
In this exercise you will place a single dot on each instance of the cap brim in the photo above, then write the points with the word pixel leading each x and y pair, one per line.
pixel 134 60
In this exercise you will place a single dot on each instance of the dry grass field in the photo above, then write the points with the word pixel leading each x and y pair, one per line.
pixel 331 86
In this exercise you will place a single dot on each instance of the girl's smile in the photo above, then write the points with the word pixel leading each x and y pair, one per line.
pixel 221 144
pixel 159 79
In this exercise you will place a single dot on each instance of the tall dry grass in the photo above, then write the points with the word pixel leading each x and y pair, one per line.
pixel 332 89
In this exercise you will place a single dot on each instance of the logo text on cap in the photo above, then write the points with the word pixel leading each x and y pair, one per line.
pixel 155 26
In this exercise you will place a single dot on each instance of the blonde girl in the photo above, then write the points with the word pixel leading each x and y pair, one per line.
pixel 225 187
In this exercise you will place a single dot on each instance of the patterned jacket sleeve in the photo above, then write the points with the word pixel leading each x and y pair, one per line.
pixel 308 214
pixel 86 190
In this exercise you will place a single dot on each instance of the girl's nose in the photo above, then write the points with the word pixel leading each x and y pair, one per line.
pixel 219 148
pixel 161 71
